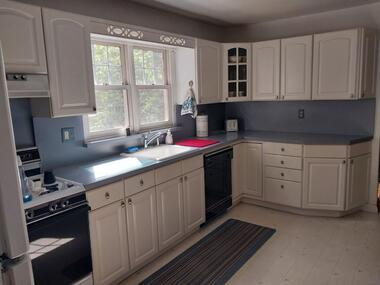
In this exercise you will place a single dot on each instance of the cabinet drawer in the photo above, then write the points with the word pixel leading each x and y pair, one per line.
pixel 138 183
pixel 282 192
pixel 283 148
pixel 328 151
pixel 166 173
pixel 191 164
pixel 359 149
pixel 105 195
pixel 283 173
pixel 283 161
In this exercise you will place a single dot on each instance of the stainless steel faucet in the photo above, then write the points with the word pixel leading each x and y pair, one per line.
pixel 148 138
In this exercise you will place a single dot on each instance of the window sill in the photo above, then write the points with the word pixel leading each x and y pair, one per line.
pixel 103 140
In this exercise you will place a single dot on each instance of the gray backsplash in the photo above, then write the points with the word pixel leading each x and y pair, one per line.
pixel 340 117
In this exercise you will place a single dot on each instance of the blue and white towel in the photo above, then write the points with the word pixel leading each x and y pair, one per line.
pixel 189 106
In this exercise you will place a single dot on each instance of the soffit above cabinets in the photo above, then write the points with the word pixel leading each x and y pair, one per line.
pixel 227 12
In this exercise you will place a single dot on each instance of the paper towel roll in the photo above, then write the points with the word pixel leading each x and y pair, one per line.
pixel 202 125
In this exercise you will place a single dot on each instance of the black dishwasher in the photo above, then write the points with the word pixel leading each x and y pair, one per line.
pixel 218 182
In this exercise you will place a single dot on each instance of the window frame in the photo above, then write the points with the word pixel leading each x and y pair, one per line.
pixel 130 89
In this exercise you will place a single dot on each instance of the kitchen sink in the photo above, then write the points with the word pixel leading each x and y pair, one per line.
pixel 161 152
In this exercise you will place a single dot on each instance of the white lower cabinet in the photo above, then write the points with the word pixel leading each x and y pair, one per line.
pixel 324 183
pixel 194 199
pixel 170 212
pixel 359 171
pixel 109 244
pixel 253 185
pixel 142 226
pixel 238 170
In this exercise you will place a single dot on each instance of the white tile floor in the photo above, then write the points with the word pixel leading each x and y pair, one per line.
pixel 304 250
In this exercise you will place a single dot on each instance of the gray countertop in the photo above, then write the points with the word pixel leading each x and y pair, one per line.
pixel 99 173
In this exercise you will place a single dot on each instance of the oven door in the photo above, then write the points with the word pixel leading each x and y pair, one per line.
pixel 60 247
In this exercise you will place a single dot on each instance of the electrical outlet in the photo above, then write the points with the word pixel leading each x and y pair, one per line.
pixel 301 113
pixel 67 134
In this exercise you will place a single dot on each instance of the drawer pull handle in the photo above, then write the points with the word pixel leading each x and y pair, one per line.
pixel 129 201
pixel 282 162
pixel 107 195
pixel 282 186
pixel 122 204
pixel 282 174
pixel 282 149
pixel 141 182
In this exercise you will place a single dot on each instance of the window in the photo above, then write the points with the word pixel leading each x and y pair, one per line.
pixel 132 89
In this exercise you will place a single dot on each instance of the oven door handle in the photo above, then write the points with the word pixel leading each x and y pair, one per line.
pixel 84 204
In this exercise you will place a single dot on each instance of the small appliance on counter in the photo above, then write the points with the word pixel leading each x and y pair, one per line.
pixel 231 125
pixel 202 126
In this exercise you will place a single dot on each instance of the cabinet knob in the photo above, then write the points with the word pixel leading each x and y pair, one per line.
pixel 181 180
pixel 122 204
pixel 344 162
pixel 282 186
pixel 282 174
pixel 129 201
pixel 352 161
pixel 107 195
pixel 185 178
pixel 363 95
pixel 141 182
pixel 352 95
pixel 282 162
pixel 94 109
pixel 277 97
pixel 282 149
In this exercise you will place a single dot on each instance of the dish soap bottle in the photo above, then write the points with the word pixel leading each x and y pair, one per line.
pixel 169 137
pixel 26 195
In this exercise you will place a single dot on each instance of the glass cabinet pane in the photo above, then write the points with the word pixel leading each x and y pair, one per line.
pixel 242 55
pixel 232 55
pixel 232 89
pixel 243 72
pixel 242 89
pixel 232 72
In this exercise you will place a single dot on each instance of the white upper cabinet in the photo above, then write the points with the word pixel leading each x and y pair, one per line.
pixel 236 72
pixel 266 70
pixel 296 63
pixel 344 65
pixel 209 71
pixel 22 38
pixel 68 48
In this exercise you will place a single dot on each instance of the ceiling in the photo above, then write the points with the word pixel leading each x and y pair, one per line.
pixel 234 12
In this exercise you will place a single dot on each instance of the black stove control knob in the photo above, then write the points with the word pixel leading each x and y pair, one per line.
pixel 64 204
pixel 53 207
pixel 29 214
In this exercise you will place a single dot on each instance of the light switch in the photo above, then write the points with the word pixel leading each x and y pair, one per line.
pixel 67 135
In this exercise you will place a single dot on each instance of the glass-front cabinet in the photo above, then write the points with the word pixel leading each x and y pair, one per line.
pixel 236 72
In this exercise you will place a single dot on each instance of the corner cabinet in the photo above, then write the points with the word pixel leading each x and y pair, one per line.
pixel 296 63
pixel 236 72
pixel 68 49
pixel 344 65
pixel 209 71
pixel 22 38
pixel 266 70
pixel 109 244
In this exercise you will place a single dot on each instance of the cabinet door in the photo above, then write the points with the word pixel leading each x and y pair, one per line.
pixel 254 170
pixel 296 61
pixel 142 226
pixel 170 212
pixel 358 181
pixel 209 71
pixel 335 65
pixel 68 48
pixel 266 70
pixel 22 37
pixel 238 170
pixel 109 245
pixel 194 199
pixel 236 72
pixel 369 63
pixel 324 183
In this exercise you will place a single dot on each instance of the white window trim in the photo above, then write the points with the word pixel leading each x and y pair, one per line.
pixel 130 91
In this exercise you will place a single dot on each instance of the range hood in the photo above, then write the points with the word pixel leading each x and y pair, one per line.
pixel 22 85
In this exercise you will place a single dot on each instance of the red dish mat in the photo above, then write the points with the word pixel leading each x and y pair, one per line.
pixel 196 142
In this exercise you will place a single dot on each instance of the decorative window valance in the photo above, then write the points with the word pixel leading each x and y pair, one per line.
pixel 108 28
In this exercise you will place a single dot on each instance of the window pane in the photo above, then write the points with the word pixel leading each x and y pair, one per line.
pixel 114 55
pixel 149 67
pixel 110 111
pixel 115 77
pixel 101 74
pixel 99 54
pixel 153 106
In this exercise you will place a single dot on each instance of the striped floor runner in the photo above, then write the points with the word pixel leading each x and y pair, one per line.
pixel 216 257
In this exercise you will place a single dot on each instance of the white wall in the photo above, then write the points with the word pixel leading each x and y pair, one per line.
pixel 136 14
pixel 366 16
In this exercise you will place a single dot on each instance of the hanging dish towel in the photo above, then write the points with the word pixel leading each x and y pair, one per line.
pixel 189 106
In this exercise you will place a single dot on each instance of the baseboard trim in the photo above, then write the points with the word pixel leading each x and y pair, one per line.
pixel 371 208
